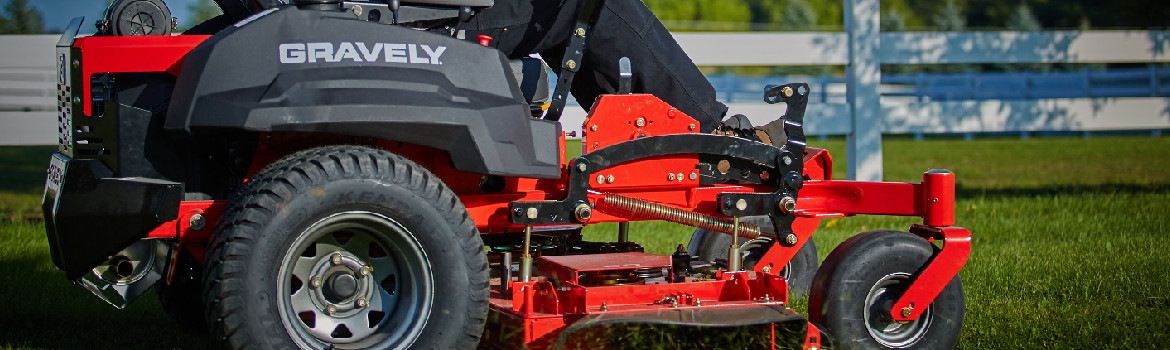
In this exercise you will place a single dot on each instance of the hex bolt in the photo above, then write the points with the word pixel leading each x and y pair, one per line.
pixel 670 177
pixel 600 179
pixel 76 63
pixel 571 64
pixel 604 307
pixel 593 127
pixel 357 10
pixel 767 297
pixel 361 303
pixel 906 311
pixel 580 32
pixel 934 200
pixel 680 176
pixel 609 179
pixel 766 269
pixel 741 204
pixel 364 271
pixel 693 176
pixel 791 239
pixel 787 160
pixel 315 282
pixel 787 204
pixel 197 222
pixel 691 127
pixel 640 122
pixel 786 92
pixel 331 309
pixel 77 100
pixel 698 302
pixel 335 259
pixel 533 213
pixel 582 212
pixel 582 167
pixel 673 302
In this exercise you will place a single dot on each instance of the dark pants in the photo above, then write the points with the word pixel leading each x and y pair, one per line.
pixel 625 28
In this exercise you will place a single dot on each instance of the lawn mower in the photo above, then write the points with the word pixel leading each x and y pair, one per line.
pixel 343 175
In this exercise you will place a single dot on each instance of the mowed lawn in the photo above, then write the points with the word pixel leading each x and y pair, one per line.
pixel 1069 249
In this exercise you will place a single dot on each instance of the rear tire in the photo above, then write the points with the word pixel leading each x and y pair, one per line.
pixel 346 247
pixel 799 272
pixel 862 279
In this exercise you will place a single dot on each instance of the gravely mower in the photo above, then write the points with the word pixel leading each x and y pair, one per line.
pixel 354 174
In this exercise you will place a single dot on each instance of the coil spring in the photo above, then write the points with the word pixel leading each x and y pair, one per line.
pixel 651 210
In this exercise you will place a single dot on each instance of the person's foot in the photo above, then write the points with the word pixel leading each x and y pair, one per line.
pixel 739 126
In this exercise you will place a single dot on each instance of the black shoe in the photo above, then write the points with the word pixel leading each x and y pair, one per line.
pixel 739 126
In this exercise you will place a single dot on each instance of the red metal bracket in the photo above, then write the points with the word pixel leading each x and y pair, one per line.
pixel 938 272
pixel 124 54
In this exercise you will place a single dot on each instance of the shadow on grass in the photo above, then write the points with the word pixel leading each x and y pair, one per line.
pixel 1044 191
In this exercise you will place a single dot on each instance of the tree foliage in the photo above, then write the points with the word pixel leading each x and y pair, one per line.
pixel 201 10
pixel 21 18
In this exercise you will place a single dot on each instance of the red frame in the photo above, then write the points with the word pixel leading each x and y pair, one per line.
pixel 538 308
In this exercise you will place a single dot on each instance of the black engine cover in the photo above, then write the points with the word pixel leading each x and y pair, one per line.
pixel 324 71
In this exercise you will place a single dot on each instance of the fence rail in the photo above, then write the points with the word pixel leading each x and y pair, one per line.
pixel 921 103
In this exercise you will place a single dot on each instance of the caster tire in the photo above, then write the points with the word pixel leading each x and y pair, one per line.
pixel 708 246
pixel 861 280
pixel 346 247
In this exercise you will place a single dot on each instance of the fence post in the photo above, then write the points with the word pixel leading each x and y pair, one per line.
pixel 863 77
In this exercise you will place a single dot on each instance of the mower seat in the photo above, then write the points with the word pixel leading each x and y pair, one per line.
pixel 532 75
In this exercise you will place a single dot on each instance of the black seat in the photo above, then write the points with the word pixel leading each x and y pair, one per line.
pixel 532 75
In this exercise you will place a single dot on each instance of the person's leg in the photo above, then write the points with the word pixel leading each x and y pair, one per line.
pixel 625 28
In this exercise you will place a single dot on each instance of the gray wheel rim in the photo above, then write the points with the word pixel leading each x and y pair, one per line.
pixel 354 280
pixel 881 326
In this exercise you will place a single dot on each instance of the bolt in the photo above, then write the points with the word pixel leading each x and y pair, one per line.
pixel 791 239
pixel 767 297
pixel 331 309
pixel 533 213
pixel 698 302
pixel 77 100
pixel 604 307
pixel 335 259
pixel 593 127
pixel 600 179
pixel 571 64
pixel 680 176
pixel 361 303
pixel 364 271
pixel 906 311
pixel 609 179
pixel 787 204
pixel 197 222
pixel 787 160
pixel 741 204
pixel 693 176
pixel 76 63
pixel 934 200
pixel 583 212
pixel 673 302
pixel 582 167
pixel 640 122
pixel 580 32
pixel 766 269
pixel 357 10
pixel 670 177
pixel 786 92
pixel 315 282
pixel 691 127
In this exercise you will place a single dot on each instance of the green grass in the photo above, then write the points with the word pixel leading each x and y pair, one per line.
pixel 1068 250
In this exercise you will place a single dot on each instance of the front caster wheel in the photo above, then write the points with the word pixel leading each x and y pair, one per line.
pixel 346 248
pixel 861 280
pixel 709 246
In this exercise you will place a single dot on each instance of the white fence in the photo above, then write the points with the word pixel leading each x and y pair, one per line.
pixel 28 97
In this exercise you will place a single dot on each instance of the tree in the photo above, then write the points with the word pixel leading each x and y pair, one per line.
pixel 950 18
pixel 201 10
pixel 20 18
pixel 797 15
pixel 1023 20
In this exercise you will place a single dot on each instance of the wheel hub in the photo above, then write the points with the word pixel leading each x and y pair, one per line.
pixel 881 325
pixel 342 286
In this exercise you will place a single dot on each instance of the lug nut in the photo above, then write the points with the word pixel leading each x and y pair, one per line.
pixel 315 282
pixel 361 303
pixel 331 309
pixel 364 271
pixel 335 259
